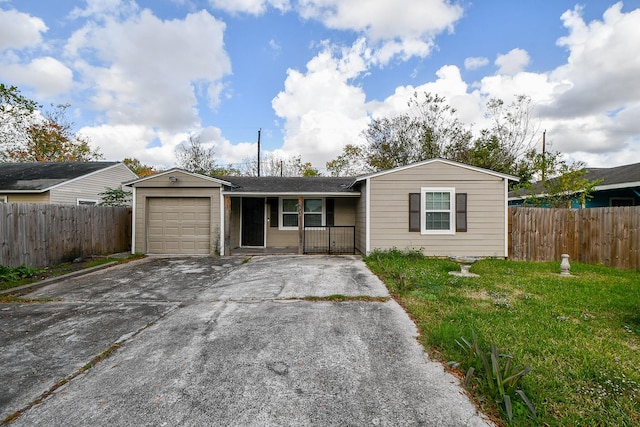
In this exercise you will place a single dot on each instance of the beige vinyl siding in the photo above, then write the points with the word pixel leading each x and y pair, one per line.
pixel 90 186
pixel 361 219
pixel 235 222
pixel 345 211
pixel 277 238
pixel 38 198
pixel 141 214
pixel 344 214
pixel 485 211
pixel 184 180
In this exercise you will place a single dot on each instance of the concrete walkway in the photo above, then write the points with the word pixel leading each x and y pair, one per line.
pixel 221 341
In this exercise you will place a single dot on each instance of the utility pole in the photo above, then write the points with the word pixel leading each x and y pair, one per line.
pixel 259 130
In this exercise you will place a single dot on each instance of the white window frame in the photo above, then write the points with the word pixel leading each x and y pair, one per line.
pixel 281 213
pixel 86 202
pixel 451 210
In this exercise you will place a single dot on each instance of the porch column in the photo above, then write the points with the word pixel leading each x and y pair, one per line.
pixel 226 251
pixel 300 227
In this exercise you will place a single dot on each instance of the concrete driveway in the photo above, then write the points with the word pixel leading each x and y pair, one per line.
pixel 221 341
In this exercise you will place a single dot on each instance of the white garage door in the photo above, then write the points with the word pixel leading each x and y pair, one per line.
pixel 179 225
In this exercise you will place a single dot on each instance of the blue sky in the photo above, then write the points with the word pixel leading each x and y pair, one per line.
pixel 141 76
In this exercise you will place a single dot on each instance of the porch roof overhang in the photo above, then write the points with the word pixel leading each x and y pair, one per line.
pixel 290 194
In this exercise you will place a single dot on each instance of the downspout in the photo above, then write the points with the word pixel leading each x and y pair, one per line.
pixel 367 216
pixel 222 210
pixel 506 218
pixel 133 222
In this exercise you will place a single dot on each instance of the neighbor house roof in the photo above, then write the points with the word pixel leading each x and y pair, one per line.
pixel 38 177
pixel 625 176
pixel 618 177
pixel 276 185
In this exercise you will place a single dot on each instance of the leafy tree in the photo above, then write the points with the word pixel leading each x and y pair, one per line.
pixel 432 129
pixel 139 168
pixel 564 183
pixel 350 163
pixel 307 170
pixel 195 157
pixel 16 113
pixel 225 171
pixel 51 139
pixel 116 197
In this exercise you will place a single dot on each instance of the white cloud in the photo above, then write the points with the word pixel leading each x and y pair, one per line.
pixel 513 62
pixel 476 62
pixel 47 75
pixel 19 30
pixel 403 28
pixel 253 7
pixel 143 70
pixel 603 66
pixel 323 111
pixel 104 9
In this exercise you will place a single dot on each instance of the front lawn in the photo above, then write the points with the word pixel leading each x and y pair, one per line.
pixel 580 335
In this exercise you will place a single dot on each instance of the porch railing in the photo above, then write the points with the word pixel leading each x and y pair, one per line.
pixel 335 239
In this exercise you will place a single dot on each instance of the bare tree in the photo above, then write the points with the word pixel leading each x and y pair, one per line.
pixel 194 156
pixel 272 164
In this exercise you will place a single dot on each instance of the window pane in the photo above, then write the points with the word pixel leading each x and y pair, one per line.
pixel 313 205
pixel 437 221
pixel 289 220
pixel 289 205
pixel 438 201
pixel 313 220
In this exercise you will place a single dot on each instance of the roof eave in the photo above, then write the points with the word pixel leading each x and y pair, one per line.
pixel 170 171
pixel 449 162
pixel 290 193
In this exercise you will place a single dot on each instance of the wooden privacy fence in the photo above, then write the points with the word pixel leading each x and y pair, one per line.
pixel 41 235
pixel 609 236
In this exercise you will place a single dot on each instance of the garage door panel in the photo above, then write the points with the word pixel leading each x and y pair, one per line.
pixel 179 225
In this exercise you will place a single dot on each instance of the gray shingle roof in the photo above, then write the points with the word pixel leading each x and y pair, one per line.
pixel 625 176
pixel 298 185
pixel 39 176
pixel 616 175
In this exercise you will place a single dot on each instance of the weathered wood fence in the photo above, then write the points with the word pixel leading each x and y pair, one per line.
pixel 608 236
pixel 41 235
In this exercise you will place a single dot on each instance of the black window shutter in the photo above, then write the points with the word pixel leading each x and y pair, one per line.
pixel 273 212
pixel 414 211
pixel 461 212
pixel 330 209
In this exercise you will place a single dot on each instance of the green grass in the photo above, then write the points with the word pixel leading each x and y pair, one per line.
pixel 580 335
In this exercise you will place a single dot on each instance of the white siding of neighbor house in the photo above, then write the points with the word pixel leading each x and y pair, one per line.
pixel 389 211
pixel 186 186
pixel 90 186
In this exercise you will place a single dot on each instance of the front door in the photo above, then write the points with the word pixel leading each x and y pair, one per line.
pixel 252 221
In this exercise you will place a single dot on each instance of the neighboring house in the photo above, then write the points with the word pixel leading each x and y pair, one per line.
pixel 68 183
pixel 620 186
pixel 438 207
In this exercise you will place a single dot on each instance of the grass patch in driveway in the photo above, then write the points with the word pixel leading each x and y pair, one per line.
pixel 580 335
pixel 343 298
